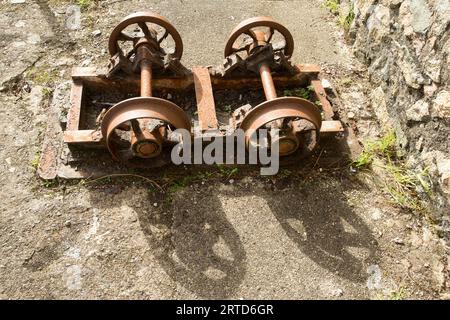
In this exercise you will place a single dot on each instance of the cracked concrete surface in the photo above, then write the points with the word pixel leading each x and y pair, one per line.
pixel 324 234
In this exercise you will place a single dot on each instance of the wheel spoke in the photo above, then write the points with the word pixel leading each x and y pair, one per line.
pixel 166 33
pixel 235 50
pixel 135 126
pixel 145 30
pixel 129 54
pixel 250 33
pixel 125 37
pixel 272 31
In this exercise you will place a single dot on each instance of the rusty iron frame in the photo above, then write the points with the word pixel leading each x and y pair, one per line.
pixel 200 80
pixel 203 84
pixel 145 117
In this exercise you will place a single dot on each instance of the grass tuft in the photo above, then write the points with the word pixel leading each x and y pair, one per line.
pixel 400 294
pixel 227 172
pixel 403 185
pixel 42 76
pixel 332 5
pixel 35 162
pixel 346 21
pixel 85 4
pixel 384 147
pixel 304 93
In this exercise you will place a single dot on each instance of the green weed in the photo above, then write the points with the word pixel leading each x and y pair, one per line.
pixel 346 21
pixel 227 172
pixel 385 147
pixel 400 294
pixel 332 5
pixel 227 108
pixel 304 93
pixel 35 162
pixel 284 173
pixel 42 76
pixel 85 4
pixel 402 184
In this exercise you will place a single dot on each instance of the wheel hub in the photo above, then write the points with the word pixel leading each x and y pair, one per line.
pixel 133 144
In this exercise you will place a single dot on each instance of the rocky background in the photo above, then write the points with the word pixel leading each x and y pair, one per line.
pixel 405 45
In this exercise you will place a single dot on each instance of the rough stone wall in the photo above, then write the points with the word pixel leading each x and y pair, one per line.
pixel 405 45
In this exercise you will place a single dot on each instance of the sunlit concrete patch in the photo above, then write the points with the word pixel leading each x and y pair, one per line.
pixel 276 262
pixel 375 279
pixel 94 227
pixel 72 277
pixel 73 253
pixel 21 33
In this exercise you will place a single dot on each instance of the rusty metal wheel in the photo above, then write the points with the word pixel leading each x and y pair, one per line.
pixel 129 138
pixel 300 124
pixel 140 19
pixel 246 27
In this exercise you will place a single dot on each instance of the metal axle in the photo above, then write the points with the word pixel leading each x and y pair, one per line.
pixel 288 142
pixel 145 143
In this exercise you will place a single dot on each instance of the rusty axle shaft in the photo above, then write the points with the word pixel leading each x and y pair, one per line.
pixel 146 78
pixel 267 82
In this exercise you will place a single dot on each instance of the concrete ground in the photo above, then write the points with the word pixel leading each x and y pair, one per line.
pixel 319 234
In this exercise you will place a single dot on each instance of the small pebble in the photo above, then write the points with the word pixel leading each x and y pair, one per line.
pixel 326 84
pixel 351 115
pixel 377 214
pixel 26 87
pixel 337 292
pixel 398 241
pixel 96 33
pixel 86 62
pixel 68 223
pixel 155 204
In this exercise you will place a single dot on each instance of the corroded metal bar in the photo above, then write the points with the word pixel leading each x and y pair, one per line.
pixel 76 97
pixel 97 80
pixel 205 100
pixel 267 82
pixel 146 78
pixel 322 97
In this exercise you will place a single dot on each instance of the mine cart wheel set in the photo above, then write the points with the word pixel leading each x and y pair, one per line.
pixel 146 52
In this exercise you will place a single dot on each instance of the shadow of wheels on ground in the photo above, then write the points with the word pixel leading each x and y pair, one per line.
pixel 205 253
pixel 202 252
pixel 327 230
